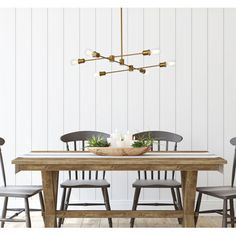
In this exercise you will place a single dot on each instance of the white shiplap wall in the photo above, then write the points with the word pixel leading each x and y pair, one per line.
pixel 42 96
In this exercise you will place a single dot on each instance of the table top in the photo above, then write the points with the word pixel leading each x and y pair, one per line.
pixel 75 160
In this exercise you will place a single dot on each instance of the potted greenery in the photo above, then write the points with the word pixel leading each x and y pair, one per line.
pixel 101 147
pixel 97 141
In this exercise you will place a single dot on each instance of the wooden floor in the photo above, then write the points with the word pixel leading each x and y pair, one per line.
pixel 204 221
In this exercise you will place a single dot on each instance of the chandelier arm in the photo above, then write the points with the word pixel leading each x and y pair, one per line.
pixel 116 71
pixel 94 59
pixel 130 54
pixel 161 64
pixel 151 66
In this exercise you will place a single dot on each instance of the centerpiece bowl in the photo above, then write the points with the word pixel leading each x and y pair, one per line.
pixel 116 151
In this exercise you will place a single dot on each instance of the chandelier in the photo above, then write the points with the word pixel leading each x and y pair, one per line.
pixel 120 59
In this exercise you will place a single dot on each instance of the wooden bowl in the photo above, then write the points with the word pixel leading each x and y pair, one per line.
pixel 112 151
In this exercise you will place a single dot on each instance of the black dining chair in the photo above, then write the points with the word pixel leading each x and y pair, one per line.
pixel 226 193
pixel 163 179
pixel 17 191
pixel 88 179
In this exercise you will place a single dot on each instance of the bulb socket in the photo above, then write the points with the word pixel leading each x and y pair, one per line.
pixel 162 64
pixel 95 54
pixel 102 73
pixel 146 52
pixel 81 60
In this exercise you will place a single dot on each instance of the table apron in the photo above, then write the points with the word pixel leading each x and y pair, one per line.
pixel 35 167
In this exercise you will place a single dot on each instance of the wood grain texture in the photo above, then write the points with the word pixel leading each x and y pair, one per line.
pixel 50 185
pixel 189 183
pixel 110 151
pixel 50 169
pixel 120 214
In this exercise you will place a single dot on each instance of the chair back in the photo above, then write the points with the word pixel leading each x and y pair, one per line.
pixel 160 137
pixel 233 142
pixel 76 141
pixel 2 141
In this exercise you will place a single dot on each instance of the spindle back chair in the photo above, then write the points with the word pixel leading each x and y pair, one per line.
pixel 159 179
pixel 17 191
pixel 76 141
pixel 161 137
pixel 226 193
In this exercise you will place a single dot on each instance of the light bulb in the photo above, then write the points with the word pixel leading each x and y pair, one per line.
pixel 155 51
pixel 170 63
pixel 74 62
pixel 89 52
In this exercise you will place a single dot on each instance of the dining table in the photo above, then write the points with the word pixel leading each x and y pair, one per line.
pixel 50 163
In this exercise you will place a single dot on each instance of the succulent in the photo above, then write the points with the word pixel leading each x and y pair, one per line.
pixel 143 142
pixel 97 141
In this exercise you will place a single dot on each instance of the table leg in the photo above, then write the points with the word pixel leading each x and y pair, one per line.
pixel 50 187
pixel 189 183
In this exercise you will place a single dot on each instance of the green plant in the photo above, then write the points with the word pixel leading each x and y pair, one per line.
pixel 143 142
pixel 97 141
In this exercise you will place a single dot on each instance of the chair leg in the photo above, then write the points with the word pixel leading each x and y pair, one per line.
pixel 27 213
pixel 179 199
pixel 199 199
pixel 231 201
pixel 176 205
pixel 62 206
pixel 107 204
pixel 42 205
pixel 135 203
pixel 224 220
pixel 4 211
pixel 66 203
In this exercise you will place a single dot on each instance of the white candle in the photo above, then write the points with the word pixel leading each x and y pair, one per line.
pixel 128 136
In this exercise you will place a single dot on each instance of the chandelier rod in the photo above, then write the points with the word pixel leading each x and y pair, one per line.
pixel 121 32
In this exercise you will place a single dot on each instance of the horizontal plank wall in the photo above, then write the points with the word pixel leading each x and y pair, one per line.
pixel 43 96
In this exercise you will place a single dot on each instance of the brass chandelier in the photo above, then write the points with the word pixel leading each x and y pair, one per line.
pixel 119 59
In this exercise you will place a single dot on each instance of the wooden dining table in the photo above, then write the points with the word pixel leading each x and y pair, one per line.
pixel 50 163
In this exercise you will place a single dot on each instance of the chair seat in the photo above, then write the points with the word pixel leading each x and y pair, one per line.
pixel 20 191
pixel 156 183
pixel 223 192
pixel 99 183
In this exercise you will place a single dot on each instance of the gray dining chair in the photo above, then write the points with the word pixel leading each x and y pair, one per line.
pixel 17 191
pixel 226 193
pixel 163 179
pixel 87 179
